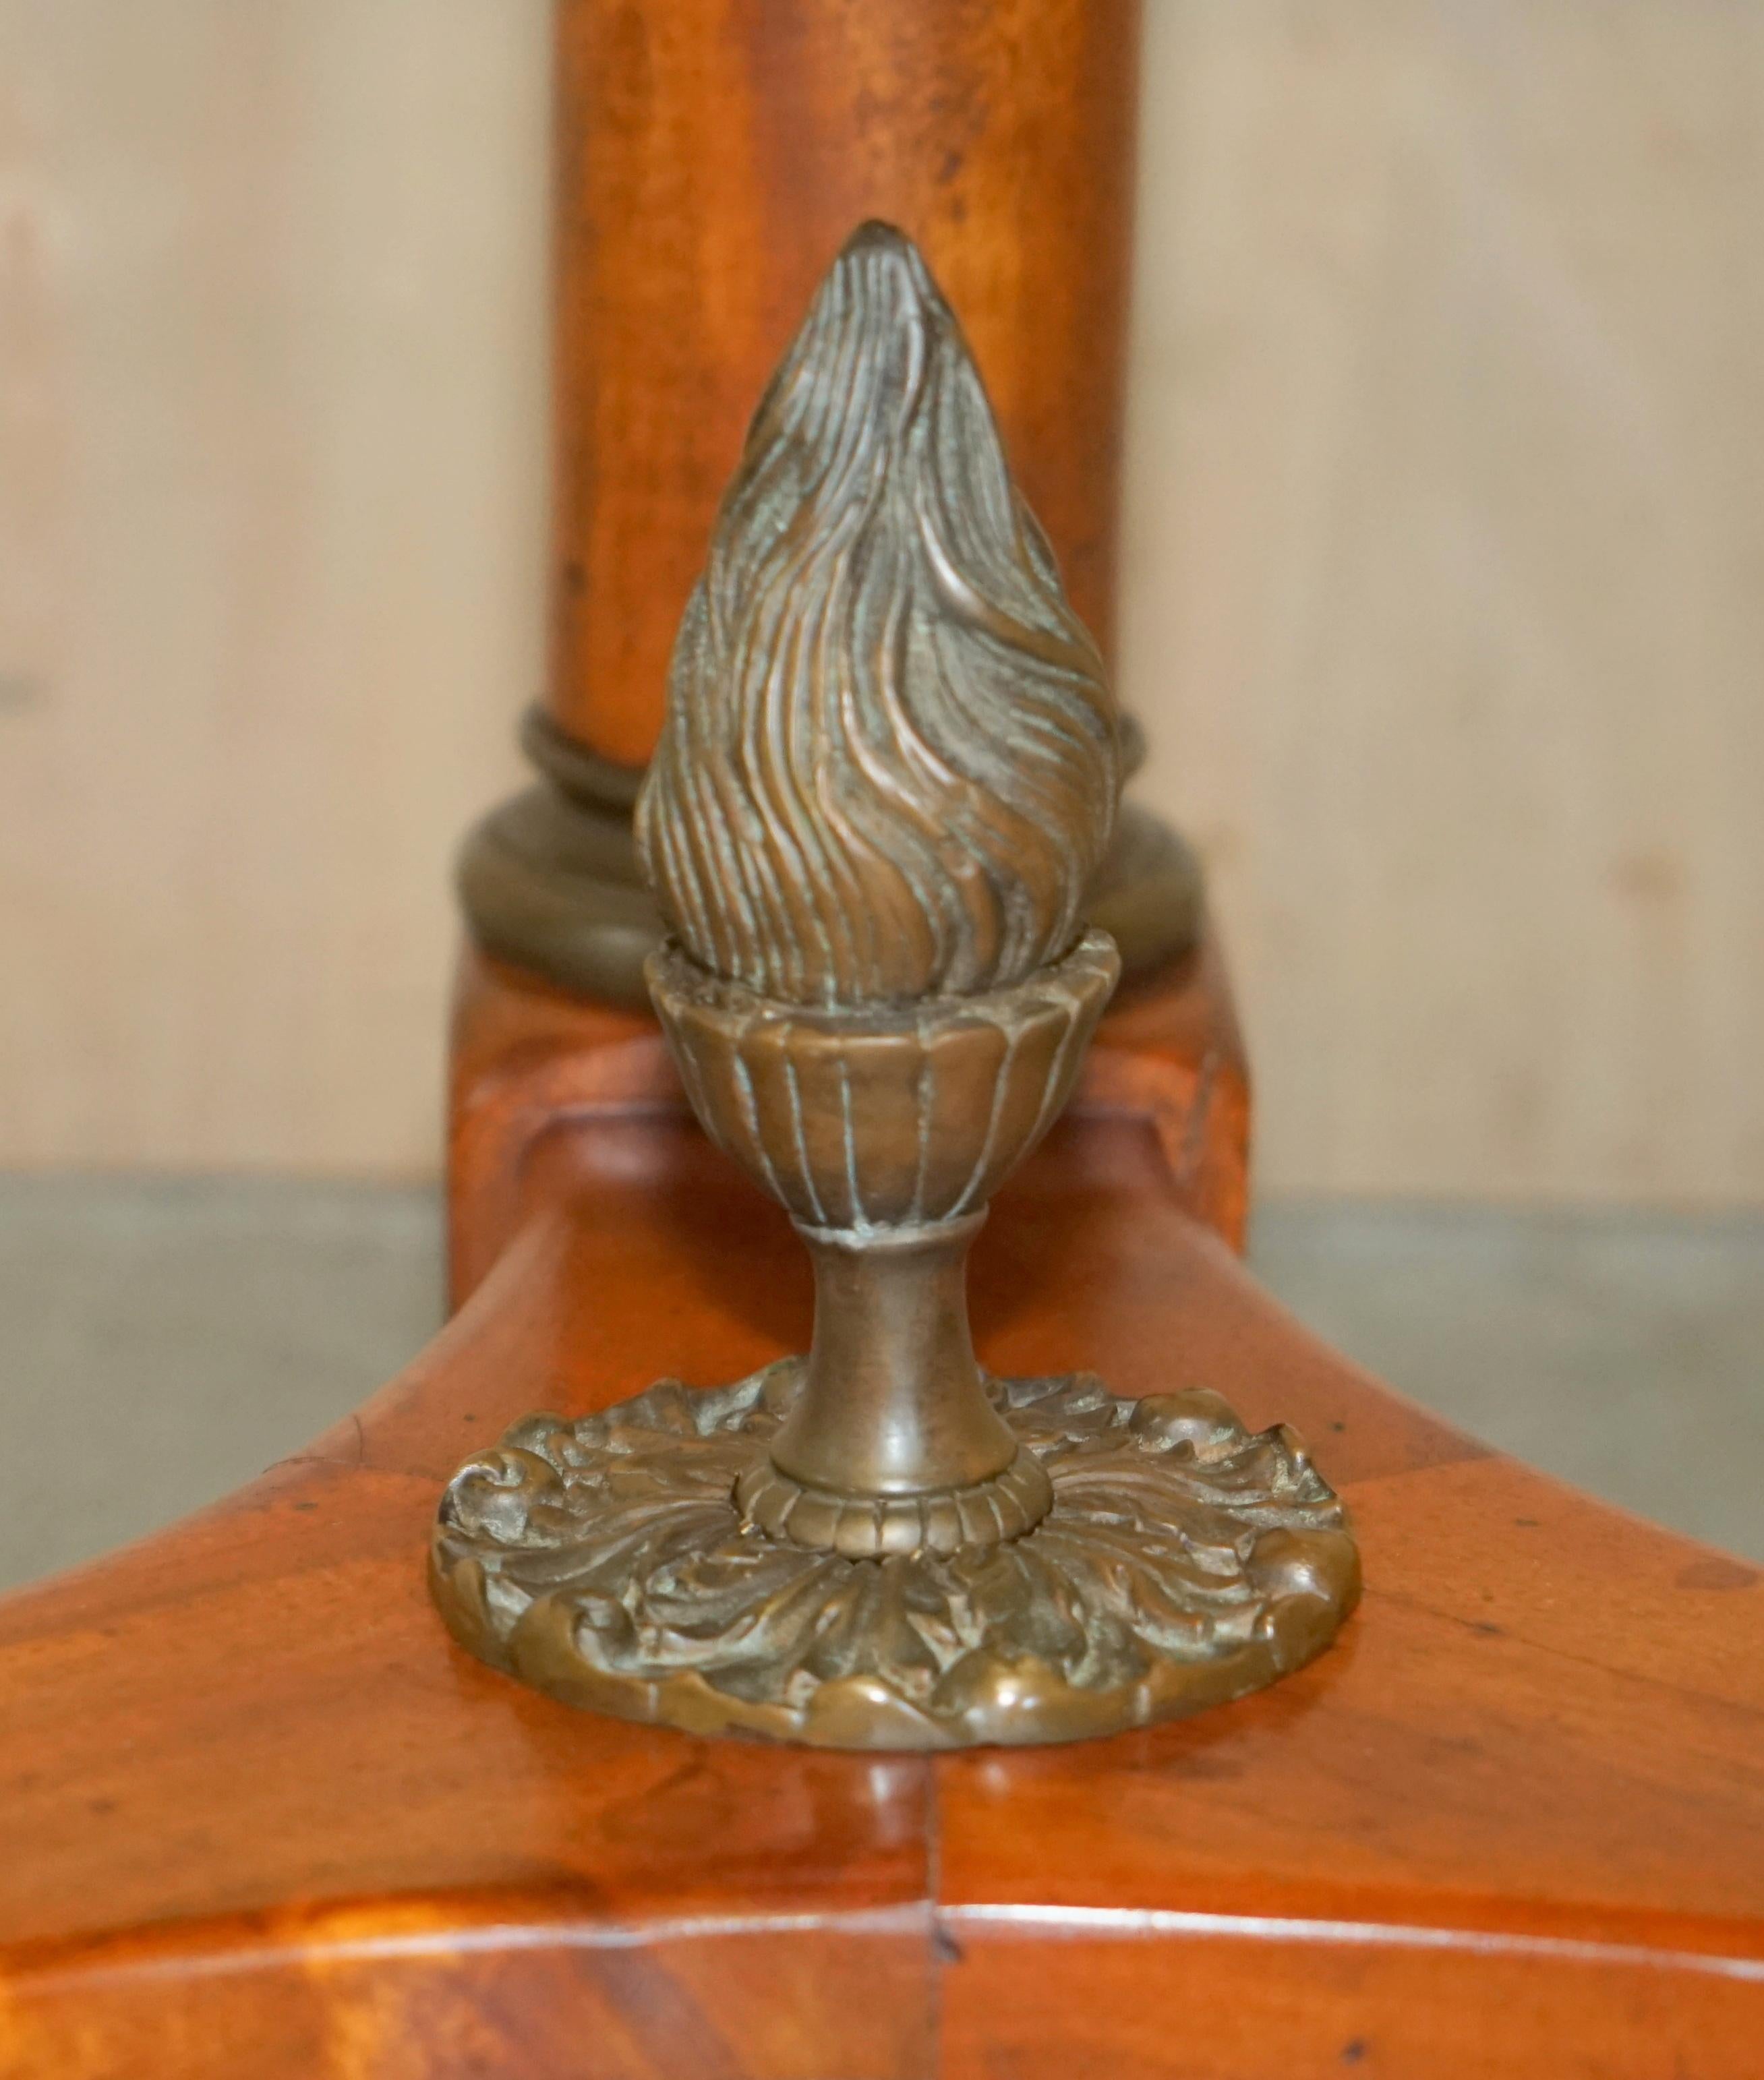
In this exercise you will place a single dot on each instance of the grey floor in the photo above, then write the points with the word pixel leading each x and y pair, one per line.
pixel 1623 1352
pixel 160 1341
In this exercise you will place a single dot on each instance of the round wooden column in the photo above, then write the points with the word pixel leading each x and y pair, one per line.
pixel 712 156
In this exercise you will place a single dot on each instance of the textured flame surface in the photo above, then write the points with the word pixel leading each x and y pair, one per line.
pixel 890 761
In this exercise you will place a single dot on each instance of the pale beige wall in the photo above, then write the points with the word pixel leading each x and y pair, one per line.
pixel 272 397
pixel 1447 574
pixel 1447 562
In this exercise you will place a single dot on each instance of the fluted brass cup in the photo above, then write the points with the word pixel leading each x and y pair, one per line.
pixel 885 1136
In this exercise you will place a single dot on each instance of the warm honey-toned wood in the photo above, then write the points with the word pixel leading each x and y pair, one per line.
pixel 479 1989
pixel 263 1816
pixel 1312 2002
pixel 713 156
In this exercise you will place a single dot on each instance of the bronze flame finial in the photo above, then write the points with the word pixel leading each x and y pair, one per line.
pixel 890 766
pixel 890 769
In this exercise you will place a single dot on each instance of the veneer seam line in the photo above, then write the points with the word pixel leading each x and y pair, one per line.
pixel 912 1918
pixel 1132 1922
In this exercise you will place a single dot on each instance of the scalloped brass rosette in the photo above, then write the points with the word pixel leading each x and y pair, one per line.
pixel 1183 1562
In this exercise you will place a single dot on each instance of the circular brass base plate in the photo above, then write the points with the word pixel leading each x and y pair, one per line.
pixel 1184 1562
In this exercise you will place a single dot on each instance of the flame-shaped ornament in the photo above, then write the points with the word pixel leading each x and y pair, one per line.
pixel 890 767
pixel 891 762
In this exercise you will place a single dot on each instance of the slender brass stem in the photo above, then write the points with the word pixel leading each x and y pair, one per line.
pixel 893 1403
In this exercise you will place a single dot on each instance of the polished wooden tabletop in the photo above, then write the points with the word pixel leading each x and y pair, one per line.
pixel 263 1816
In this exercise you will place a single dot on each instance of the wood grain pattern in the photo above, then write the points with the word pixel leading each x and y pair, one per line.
pixel 714 156
pixel 1513 1824
pixel 503 1987
pixel 1210 2004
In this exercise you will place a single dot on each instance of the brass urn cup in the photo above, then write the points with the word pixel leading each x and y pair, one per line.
pixel 888 775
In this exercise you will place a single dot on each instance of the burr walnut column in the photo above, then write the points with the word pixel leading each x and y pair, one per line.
pixel 711 155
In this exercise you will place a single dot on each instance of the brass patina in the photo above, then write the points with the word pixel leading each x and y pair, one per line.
pixel 890 775
pixel 550 880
